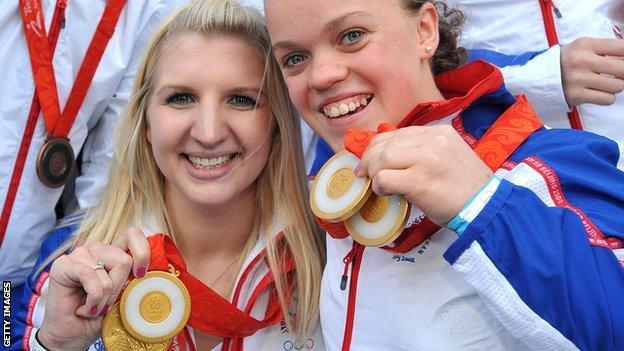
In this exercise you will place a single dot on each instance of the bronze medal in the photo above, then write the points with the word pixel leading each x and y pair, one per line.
pixel 55 162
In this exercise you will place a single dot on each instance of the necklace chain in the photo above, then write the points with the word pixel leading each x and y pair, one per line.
pixel 226 268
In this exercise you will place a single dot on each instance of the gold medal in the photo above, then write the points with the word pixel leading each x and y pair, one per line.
pixel 116 338
pixel 152 311
pixel 55 162
pixel 336 192
pixel 380 221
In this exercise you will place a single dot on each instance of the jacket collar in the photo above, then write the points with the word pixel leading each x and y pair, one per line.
pixel 461 87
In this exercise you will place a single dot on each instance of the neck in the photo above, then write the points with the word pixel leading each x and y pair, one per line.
pixel 205 233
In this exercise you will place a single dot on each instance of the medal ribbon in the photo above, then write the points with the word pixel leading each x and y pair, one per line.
pixel 510 130
pixel 211 313
pixel 57 124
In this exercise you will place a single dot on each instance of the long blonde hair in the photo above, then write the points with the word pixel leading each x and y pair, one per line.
pixel 136 185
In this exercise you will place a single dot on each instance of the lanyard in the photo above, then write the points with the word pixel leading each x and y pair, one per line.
pixel 211 313
pixel 57 124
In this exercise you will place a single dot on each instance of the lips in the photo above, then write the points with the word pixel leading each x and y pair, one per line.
pixel 346 106
pixel 210 163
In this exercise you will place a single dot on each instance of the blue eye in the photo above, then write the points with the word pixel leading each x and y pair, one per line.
pixel 293 60
pixel 242 101
pixel 351 37
pixel 180 99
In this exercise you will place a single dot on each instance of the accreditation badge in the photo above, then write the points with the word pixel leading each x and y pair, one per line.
pixel 55 162
pixel 152 311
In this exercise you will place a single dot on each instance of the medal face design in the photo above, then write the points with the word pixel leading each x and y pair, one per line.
pixel 156 307
pixel 337 193
pixel 55 162
pixel 116 338
pixel 380 221
pixel 152 311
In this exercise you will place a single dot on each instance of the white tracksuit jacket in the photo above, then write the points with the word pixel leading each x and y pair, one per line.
pixel 32 214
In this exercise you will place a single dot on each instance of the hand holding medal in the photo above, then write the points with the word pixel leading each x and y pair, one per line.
pixel 337 195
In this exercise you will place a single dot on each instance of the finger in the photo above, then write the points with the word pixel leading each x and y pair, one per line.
pixel 396 158
pixel 388 145
pixel 94 254
pixel 606 84
pixel 610 47
pixel 136 243
pixel 597 97
pixel 118 265
pixel 71 273
pixel 612 66
pixel 394 182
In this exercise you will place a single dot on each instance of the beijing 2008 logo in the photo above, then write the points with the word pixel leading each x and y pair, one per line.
pixel 298 345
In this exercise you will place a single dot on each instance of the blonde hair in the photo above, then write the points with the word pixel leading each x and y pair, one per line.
pixel 136 185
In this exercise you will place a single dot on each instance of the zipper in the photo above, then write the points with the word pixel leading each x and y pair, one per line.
pixel 549 7
pixel 354 259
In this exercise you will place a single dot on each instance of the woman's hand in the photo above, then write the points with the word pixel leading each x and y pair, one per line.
pixel 79 294
pixel 431 166
pixel 592 70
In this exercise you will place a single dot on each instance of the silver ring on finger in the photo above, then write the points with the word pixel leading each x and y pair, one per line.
pixel 99 265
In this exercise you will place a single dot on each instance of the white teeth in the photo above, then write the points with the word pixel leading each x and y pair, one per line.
pixel 344 109
pixel 347 106
pixel 201 162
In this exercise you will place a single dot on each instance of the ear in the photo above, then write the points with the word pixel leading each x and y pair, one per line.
pixel 428 30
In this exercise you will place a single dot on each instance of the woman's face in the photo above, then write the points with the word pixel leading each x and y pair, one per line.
pixel 207 139
pixel 351 63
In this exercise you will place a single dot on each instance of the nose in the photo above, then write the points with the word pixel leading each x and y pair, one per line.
pixel 326 71
pixel 209 126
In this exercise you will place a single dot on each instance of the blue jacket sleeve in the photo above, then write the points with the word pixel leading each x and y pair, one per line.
pixel 533 237
pixel 22 295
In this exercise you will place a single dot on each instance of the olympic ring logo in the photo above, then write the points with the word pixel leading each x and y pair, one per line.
pixel 298 345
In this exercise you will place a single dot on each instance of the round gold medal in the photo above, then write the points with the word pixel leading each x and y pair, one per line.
pixel 55 162
pixel 336 192
pixel 380 221
pixel 116 337
pixel 155 308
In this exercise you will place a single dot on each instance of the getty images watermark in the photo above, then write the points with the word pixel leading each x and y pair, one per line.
pixel 6 313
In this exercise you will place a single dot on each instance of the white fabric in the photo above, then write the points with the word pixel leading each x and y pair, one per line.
pixel 476 268
pixel 33 212
pixel 516 26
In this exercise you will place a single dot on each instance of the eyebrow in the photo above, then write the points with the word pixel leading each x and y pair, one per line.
pixel 329 26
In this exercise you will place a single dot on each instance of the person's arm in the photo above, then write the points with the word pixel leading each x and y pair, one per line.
pixel 27 307
pixel 534 74
pixel 97 151
pixel 587 70
pixel 532 245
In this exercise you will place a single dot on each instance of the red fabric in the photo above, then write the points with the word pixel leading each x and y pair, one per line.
pixel 29 129
pixel 211 313
pixel 509 131
pixel 58 124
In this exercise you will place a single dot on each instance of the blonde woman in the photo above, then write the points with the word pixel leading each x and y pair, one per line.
pixel 207 153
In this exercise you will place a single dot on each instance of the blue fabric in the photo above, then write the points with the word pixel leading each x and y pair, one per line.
pixel 544 252
pixel 21 295
pixel 501 60
pixel 323 153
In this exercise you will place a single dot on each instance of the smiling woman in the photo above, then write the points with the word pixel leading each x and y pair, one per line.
pixel 208 158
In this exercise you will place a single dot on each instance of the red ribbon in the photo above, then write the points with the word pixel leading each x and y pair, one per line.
pixel 211 313
pixel 57 124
